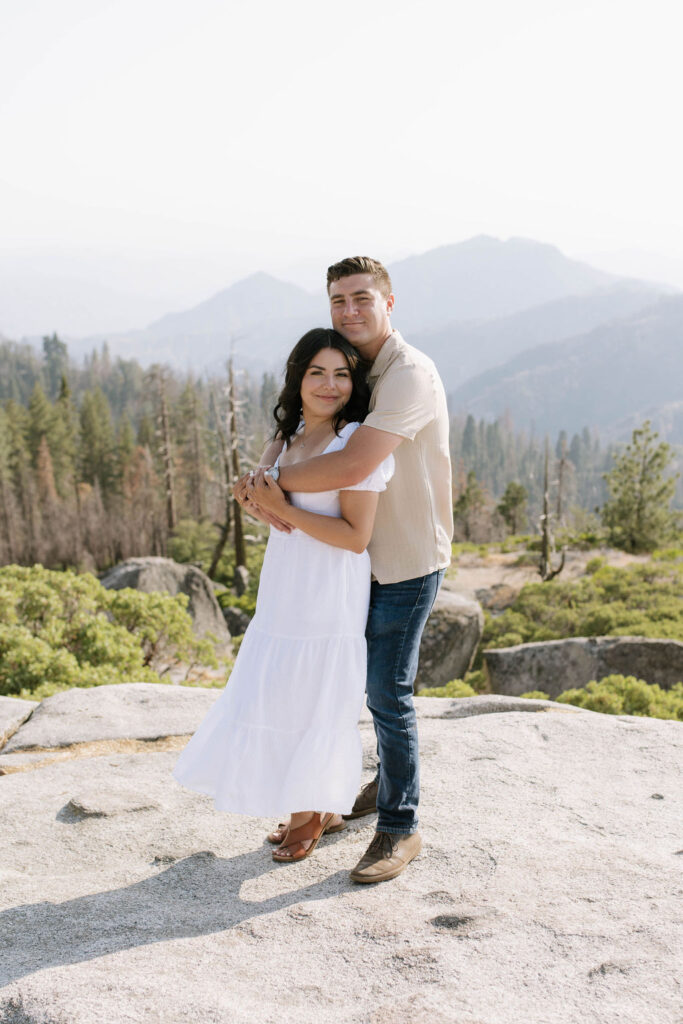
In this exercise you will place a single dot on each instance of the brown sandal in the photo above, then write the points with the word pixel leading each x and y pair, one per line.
pixel 295 838
pixel 277 836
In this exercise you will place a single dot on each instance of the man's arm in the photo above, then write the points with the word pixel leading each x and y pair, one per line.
pixel 366 449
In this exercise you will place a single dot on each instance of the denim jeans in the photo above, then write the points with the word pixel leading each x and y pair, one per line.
pixel 397 617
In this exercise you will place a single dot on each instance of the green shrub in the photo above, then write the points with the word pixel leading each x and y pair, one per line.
pixel 535 695
pixel 594 564
pixel 60 629
pixel 246 602
pixel 456 688
pixel 626 695
pixel 638 600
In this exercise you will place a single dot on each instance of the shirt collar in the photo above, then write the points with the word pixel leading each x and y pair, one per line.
pixel 385 355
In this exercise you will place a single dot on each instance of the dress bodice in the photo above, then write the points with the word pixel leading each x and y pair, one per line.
pixel 327 503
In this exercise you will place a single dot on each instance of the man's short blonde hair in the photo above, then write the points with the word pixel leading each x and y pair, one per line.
pixel 361 265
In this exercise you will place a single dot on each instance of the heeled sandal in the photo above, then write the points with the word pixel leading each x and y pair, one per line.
pixel 277 835
pixel 314 829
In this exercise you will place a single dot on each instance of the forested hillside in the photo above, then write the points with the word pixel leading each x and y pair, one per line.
pixel 105 460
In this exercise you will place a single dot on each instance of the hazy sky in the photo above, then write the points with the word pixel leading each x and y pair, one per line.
pixel 154 151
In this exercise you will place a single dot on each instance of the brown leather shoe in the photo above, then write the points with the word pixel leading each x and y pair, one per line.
pixel 386 857
pixel 366 801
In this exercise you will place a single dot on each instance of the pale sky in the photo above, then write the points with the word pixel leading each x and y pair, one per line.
pixel 155 151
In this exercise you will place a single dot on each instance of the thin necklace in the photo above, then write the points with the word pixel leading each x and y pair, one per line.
pixel 302 442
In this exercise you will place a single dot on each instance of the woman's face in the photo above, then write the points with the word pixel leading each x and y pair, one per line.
pixel 326 386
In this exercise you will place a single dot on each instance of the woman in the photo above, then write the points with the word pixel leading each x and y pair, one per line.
pixel 284 733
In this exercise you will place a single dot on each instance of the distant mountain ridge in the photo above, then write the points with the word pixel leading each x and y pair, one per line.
pixel 479 279
pixel 487 311
pixel 486 277
pixel 619 372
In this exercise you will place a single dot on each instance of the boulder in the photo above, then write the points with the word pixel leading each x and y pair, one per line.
pixel 558 665
pixel 540 894
pixel 13 712
pixel 142 711
pixel 497 597
pixel 450 639
pixel 163 575
pixel 236 620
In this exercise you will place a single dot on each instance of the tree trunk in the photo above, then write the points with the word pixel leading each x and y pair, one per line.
pixel 227 472
pixel 240 548
pixel 167 454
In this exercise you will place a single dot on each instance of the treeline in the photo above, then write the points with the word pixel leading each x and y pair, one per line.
pixel 102 462
pixel 499 477
pixel 106 460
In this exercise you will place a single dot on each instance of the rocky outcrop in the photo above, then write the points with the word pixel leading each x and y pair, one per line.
pixel 154 575
pixel 13 712
pixel 538 896
pixel 450 639
pixel 236 620
pixel 558 665
pixel 140 711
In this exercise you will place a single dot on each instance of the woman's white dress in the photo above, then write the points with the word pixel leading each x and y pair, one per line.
pixel 283 736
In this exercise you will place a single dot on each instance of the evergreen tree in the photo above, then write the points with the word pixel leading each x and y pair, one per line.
pixel 40 421
pixel 512 506
pixel 470 504
pixel 638 513
pixel 56 361
pixel 64 451
pixel 97 445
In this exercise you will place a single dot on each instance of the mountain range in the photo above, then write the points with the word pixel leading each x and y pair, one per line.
pixel 512 325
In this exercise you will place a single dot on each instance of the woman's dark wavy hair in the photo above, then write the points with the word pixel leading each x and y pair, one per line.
pixel 287 412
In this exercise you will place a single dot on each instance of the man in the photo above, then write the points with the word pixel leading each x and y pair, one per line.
pixel 410 546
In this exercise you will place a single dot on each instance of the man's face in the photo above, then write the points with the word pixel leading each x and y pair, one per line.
pixel 360 313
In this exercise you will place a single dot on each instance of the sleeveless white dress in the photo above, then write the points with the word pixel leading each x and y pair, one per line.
pixel 283 736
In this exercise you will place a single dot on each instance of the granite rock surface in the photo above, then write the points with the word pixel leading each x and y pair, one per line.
pixel 546 892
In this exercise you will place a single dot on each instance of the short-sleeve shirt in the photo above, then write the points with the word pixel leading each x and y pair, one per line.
pixel 414 523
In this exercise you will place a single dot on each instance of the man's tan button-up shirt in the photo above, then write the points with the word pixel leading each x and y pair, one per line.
pixel 414 524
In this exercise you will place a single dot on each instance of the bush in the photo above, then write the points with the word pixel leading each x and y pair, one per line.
pixel 639 600
pixel 60 629
pixel 535 695
pixel 626 695
pixel 456 688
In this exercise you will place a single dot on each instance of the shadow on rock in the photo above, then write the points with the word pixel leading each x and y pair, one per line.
pixel 199 895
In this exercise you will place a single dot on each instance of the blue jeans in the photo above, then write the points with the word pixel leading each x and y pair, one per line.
pixel 397 616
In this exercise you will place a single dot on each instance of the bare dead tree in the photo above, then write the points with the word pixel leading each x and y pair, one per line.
pixel 227 473
pixel 166 451
pixel 562 468
pixel 545 568
pixel 240 547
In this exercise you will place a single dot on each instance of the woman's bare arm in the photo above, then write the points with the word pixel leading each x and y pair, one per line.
pixel 352 531
pixel 363 453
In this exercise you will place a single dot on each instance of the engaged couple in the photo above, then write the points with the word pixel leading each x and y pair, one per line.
pixel 356 486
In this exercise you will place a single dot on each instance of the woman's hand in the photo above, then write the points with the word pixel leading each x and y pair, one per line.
pixel 268 495
pixel 243 493
pixel 240 488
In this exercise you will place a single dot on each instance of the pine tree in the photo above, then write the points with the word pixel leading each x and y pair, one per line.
pixel 40 421
pixel 97 445
pixel 638 513
pixel 512 506
pixel 470 504
pixel 56 362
